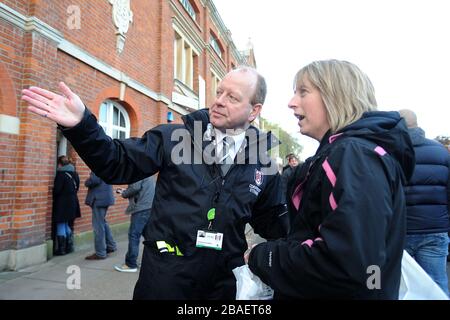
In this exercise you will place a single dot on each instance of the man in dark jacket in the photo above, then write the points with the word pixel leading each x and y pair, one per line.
pixel 214 178
pixel 288 171
pixel 99 197
pixel 140 197
pixel 427 201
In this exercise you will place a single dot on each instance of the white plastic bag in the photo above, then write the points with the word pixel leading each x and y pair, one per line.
pixel 416 284
pixel 249 286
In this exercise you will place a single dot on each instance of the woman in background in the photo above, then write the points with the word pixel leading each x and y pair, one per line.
pixel 66 207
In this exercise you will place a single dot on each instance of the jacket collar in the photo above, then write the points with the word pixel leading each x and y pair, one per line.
pixel 199 121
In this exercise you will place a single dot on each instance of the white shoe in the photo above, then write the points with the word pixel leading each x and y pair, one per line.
pixel 125 268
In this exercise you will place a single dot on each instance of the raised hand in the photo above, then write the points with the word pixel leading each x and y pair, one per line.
pixel 66 109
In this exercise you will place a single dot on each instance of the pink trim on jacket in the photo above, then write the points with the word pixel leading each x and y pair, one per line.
pixel 332 177
pixel 297 196
pixel 334 137
pixel 310 242
pixel 380 151
pixel 330 173
pixel 332 201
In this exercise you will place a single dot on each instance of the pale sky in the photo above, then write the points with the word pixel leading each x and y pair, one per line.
pixel 402 45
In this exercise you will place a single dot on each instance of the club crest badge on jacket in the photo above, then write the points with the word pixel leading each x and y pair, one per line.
pixel 259 177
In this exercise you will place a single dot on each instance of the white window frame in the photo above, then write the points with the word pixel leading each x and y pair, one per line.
pixel 189 8
pixel 215 45
pixel 215 80
pixel 109 126
pixel 183 60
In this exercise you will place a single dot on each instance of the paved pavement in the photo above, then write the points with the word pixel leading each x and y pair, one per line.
pixel 57 279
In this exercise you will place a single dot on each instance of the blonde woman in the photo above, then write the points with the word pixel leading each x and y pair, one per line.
pixel 346 202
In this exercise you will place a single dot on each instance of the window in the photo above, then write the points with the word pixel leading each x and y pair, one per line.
pixel 184 60
pixel 61 144
pixel 215 44
pixel 215 80
pixel 114 120
pixel 189 8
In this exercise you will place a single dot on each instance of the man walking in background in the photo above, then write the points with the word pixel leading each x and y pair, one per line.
pixel 140 196
pixel 99 198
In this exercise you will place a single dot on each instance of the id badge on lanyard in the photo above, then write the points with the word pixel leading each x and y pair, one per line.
pixel 209 238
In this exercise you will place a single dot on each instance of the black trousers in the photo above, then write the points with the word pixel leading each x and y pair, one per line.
pixel 201 276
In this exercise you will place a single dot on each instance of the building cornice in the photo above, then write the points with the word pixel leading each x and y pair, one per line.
pixel 218 22
pixel 223 30
pixel 237 55
pixel 29 24
pixel 33 24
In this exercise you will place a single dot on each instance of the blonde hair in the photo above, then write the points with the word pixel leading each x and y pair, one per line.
pixel 345 90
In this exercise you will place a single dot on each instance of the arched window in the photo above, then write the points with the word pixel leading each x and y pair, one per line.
pixel 215 44
pixel 189 8
pixel 114 120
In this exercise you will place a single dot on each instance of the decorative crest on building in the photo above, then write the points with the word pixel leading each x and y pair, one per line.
pixel 122 17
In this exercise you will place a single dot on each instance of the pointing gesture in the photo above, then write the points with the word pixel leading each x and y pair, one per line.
pixel 66 109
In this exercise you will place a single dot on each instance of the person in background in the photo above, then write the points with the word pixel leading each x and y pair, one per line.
pixel 448 256
pixel 427 203
pixel 99 197
pixel 140 196
pixel 347 202
pixel 288 170
pixel 66 207
pixel 292 162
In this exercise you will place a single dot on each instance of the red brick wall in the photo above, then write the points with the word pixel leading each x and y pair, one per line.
pixel 21 6
pixel 140 58
pixel 7 186
pixel 208 57
pixel 93 88
pixel 10 75
pixel 28 160
pixel 165 39
pixel 35 148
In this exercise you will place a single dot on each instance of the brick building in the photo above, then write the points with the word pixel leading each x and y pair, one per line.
pixel 134 63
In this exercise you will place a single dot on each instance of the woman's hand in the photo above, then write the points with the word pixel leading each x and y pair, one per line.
pixel 247 253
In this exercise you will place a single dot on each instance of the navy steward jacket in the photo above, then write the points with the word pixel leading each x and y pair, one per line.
pixel 186 191
pixel 348 232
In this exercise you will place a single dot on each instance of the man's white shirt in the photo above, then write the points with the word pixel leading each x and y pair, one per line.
pixel 238 140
